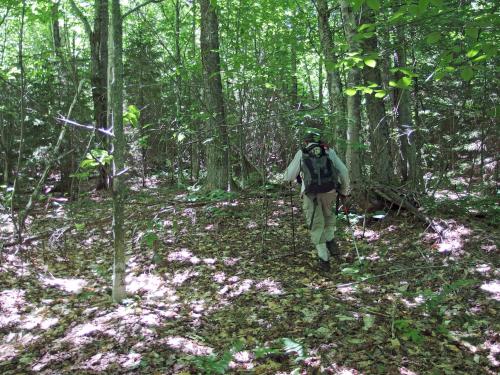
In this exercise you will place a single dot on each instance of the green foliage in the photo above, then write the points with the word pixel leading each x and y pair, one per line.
pixel 406 328
pixel 217 364
pixel 131 116
pixel 95 159
pixel 211 196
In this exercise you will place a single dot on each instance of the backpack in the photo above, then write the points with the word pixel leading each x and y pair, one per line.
pixel 320 175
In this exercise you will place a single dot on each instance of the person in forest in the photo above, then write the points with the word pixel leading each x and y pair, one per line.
pixel 322 176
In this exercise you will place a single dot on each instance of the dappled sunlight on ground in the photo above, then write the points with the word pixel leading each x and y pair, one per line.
pixel 209 288
pixel 492 287
pixel 69 285
pixel 187 346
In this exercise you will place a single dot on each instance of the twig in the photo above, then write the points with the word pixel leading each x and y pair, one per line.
pixel 87 127
pixel 389 273
pixel 140 6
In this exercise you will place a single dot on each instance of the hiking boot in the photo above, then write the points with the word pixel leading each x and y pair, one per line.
pixel 324 266
pixel 333 248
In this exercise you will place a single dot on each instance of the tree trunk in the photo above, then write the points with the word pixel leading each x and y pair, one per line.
pixel 353 153
pixel 22 112
pixel 218 148
pixel 380 146
pixel 336 100
pixel 402 110
pixel 115 101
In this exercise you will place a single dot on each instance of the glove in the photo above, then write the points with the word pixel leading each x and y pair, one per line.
pixel 299 179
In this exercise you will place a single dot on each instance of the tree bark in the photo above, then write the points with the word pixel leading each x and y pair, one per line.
pixel 402 109
pixel 336 100
pixel 380 146
pixel 353 152
pixel 218 148
pixel 115 101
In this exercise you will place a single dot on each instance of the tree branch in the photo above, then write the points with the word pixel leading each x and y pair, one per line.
pixel 82 17
pixel 140 6
pixel 5 16
pixel 87 127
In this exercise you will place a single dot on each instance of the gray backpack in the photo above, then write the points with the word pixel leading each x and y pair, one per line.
pixel 320 175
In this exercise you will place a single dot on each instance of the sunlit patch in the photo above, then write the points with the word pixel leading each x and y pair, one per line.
pixel 187 346
pixel 340 370
pixel 231 261
pixel 242 360
pixel 11 304
pixel 492 287
pixel 453 239
pixel 252 225
pixel 7 351
pixel 131 360
pixel 489 248
pixel 273 223
pixel 493 347
pixel 417 301
pixel 182 276
pixel 483 268
pixel 100 361
pixel 219 277
pixel 406 371
pixel 270 286
pixel 236 289
pixel 183 256
pixel 151 284
pixel 150 320
pixel 70 285
pixel 37 319
pixel 209 261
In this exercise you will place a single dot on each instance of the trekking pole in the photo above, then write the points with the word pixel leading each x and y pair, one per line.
pixel 293 220
pixel 346 213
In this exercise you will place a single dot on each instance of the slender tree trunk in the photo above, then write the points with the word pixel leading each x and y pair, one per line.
pixel 402 109
pixel 336 100
pixel 68 163
pixel 115 100
pixel 380 146
pixel 98 40
pixel 353 153
pixel 178 87
pixel 294 92
pixel 197 145
pixel 218 148
pixel 17 225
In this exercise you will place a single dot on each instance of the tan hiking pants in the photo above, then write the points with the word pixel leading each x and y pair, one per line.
pixel 323 225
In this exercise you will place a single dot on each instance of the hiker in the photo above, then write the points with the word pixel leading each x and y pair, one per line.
pixel 322 175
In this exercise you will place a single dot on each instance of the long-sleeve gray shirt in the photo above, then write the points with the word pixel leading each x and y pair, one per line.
pixel 293 171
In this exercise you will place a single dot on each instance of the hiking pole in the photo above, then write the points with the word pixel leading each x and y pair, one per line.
pixel 346 213
pixel 293 220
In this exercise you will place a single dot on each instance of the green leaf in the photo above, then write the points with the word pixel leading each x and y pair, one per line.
pixel 370 62
pixel 467 73
pixel 472 53
pixel 356 4
pixel 422 5
pixel 374 4
pixel 368 321
pixel 404 82
pixel 356 341
pixel 480 58
pixel 437 3
pixel 380 94
pixel 433 37
pixel 351 91
pixel 393 84
pixel 472 32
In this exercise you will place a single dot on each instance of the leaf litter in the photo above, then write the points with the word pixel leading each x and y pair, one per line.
pixel 220 286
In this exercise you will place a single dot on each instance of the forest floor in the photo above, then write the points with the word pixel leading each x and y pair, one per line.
pixel 216 286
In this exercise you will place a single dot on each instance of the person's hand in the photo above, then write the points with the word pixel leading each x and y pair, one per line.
pixel 345 202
